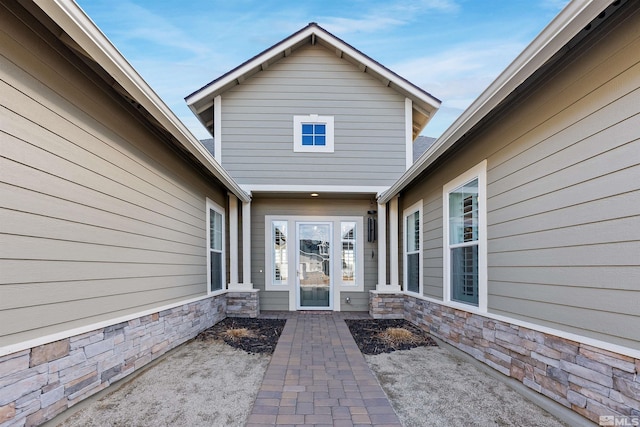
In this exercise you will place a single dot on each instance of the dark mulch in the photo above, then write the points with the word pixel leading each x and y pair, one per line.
pixel 367 333
pixel 264 333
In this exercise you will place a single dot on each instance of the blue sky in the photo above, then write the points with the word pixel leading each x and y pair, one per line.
pixel 452 49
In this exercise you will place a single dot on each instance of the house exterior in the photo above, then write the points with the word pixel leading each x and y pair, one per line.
pixel 519 227
pixel 106 205
pixel 513 237
pixel 314 130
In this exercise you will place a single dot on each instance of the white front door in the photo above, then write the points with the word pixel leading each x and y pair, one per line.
pixel 314 284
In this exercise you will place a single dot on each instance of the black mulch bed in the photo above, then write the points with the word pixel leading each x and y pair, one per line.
pixel 264 333
pixel 367 332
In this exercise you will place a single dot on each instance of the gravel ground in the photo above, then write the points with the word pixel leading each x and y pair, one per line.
pixel 429 386
pixel 208 383
pixel 200 384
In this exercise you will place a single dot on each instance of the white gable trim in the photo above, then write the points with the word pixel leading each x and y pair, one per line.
pixel 408 131
pixel 217 128
pixel 313 31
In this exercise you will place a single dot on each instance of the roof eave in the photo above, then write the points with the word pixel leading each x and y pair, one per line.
pixel 423 99
pixel 573 18
pixel 81 29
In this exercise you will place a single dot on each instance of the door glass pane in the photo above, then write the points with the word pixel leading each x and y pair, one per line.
pixel 280 261
pixel 463 213
pixel 314 264
pixel 464 274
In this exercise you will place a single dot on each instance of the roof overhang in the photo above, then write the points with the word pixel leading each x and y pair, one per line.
pixel 553 40
pixel 424 104
pixel 80 33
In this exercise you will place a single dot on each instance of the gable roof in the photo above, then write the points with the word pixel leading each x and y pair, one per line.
pixel 577 19
pixel 76 30
pixel 424 104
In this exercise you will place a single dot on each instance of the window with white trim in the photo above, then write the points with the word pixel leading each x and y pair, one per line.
pixel 280 252
pixel 313 134
pixel 215 247
pixel 465 238
pixel 413 248
pixel 347 247
pixel 348 234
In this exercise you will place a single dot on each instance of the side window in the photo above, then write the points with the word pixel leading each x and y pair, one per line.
pixel 413 248
pixel 465 238
pixel 348 235
pixel 313 134
pixel 280 262
pixel 215 247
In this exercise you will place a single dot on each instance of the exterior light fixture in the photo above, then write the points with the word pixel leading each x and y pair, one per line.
pixel 314 194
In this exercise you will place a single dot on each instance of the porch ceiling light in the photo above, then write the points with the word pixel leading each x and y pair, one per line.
pixel 314 194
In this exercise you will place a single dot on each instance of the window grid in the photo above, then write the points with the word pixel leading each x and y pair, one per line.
pixel 314 134
pixel 463 227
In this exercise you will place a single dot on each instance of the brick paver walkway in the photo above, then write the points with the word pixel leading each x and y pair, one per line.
pixel 317 376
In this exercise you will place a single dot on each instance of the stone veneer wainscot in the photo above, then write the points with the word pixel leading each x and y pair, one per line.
pixel 589 380
pixel 39 383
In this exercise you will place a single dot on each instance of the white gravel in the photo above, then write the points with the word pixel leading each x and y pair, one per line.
pixel 200 384
pixel 212 384
pixel 429 386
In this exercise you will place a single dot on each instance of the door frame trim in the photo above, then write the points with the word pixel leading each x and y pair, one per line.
pixel 331 263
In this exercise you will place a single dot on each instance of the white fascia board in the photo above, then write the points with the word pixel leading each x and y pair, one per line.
pixel 558 33
pixel 333 41
pixel 255 62
pixel 83 31
pixel 275 188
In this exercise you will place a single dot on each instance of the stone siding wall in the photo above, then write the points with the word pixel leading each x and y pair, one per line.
pixel 243 304
pixel 39 383
pixel 591 381
pixel 384 305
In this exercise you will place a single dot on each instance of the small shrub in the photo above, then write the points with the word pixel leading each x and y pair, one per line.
pixel 397 336
pixel 237 333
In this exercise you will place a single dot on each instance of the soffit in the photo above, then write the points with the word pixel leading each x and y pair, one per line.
pixel 424 104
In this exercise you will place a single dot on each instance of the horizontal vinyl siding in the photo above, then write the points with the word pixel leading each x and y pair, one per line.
pixel 260 207
pixel 257 130
pixel 563 198
pixel 98 217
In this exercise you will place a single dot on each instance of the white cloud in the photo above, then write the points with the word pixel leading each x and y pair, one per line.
pixel 458 75
pixel 139 24
pixel 367 24
pixel 383 17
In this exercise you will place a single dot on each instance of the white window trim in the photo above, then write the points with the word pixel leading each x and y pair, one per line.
pixel 211 205
pixel 416 207
pixel 336 253
pixel 297 134
pixel 479 171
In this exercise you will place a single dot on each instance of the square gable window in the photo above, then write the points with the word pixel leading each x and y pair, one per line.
pixel 313 134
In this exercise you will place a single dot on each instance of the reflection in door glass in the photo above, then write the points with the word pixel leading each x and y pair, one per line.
pixel 314 264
